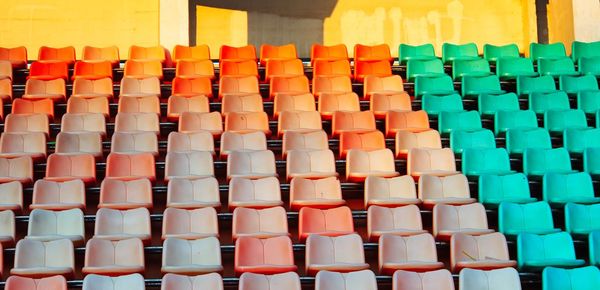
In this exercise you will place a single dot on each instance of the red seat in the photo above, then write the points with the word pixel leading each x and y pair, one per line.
pixel 325 222
pixel 92 70
pixel 323 52
pixel 130 166
pixel 232 53
pixel 17 56
pixel 48 71
pixel 264 256
pixel 191 87
pixel 65 167
pixel 54 54
pixel 277 52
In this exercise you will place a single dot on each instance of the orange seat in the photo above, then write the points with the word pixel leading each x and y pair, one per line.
pixel 37 259
pixel 264 256
pixel 321 193
pixel 329 103
pixel 373 140
pixel 381 104
pixel 422 161
pixel 79 143
pixel 191 257
pixel 190 224
pixel 116 225
pixel 125 194
pixel 148 104
pixel 182 282
pixel 232 53
pixel 17 56
pixel 45 89
pixel 411 253
pixel 92 70
pixel 304 140
pixel 65 167
pixel 468 219
pixel 399 221
pixel 16 169
pixel 134 142
pixel 406 140
pixel 243 68
pixel 190 165
pixel 273 52
pixel 23 283
pixel 390 192
pixel 55 195
pixel 396 121
pixel 85 88
pixel 53 54
pixel 432 280
pixel 147 53
pixel 238 85
pixel 191 87
pixel 259 223
pixel 195 69
pixel 241 103
pixel 12 196
pixel 230 142
pixel 191 194
pixel 6 70
pixel 371 53
pixel 324 52
pixel 83 123
pixel 130 166
pixel 23 144
pixel 364 280
pixel 451 189
pixel 289 85
pixel 143 69
pixel 340 254
pixel 343 121
pixel 5 92
pixel 179 104
pixel 189 142
pixel 293 102
pixel 110 54
pixel 379 68
pixel 298 121
pixel 41 106
pixel 251 164
pixel 310 164
pixel 331 68
pixel 48 71
pixel 193 122
pixel 383 85
pixel 252 281
pixel 198 52
pixel 114 258
pixel 247 122
pixel 88 105
pixel 485 252
pixel 331 84
pixel 140 87
pixel 283 68
pixel 137 122
pixel 254 193
pixel 363 163
pixel 17 123
pixel 331 222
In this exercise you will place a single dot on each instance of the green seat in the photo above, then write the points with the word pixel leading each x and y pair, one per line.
pixel 415 52
pixel 540 103
pixel 538 51
pixel 582 219
pixel 475 86
pixel 480 161
pixel 591 161
pixel 489 105
pixel 518 140
pixel 556 121
pixel 556 67
pixel 590 66
pixel 584 49
pixel 505 120
pixel 461 140
pixel 589 102
pixel 538 161
pixel 594 245
pixel 533 218
pixel 535 252
pixel 492 52
pixel 495 189
pixel 578 139
pixel 470 67
pixel 434 104
pixel 584 278
pixel 558 189
pixel 528 85
pixel 452 52
pixel 576 84
pixel 441 85
pixel 508 68
pixel 462 120
pixel 426 68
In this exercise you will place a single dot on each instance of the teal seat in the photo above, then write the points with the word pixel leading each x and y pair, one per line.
pixel 537 161
pixel 426 68
pixel 589 102
pixel 435 104
pixel 557 121
pixel 452 52
pixel 474 86
pixel 578 139
pixel 415 52
pixel 509 68
pixel 538 51
pixel 461 120
pixel 535 252
pixel 584 278
pixel 518 140
pixel 533 218
pixel 558 189
pixel 591 161
pixel 528 85
pixel 556 67
pixel 505 120
pixel 470 67
pixel 594 245
pixel 584 49
pixel 582 219
pixel 495 189
pixel 480 161
pixel 543 102
pixel 590 66
pixel 492 52
pixel 441 85
pixel 461 140
pixel 575 84
pixel 489 105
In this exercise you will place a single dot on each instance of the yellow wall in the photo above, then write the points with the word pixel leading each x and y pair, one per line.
pixel 560 22
pixel 216 27
pixel 58 23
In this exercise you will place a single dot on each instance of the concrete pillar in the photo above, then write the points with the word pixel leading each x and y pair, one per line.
pixel 174 23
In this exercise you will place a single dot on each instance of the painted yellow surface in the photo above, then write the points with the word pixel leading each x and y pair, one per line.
pixel 60 23
pixel 216 27
pixel 560 22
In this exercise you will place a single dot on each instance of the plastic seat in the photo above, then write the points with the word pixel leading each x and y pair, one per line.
pixel 147 53
pixel 346 281
pixel 372 52
pixel 556 67
pixel 41 106
pixel 451 189
pixel 591 163
pixel 5 92
pixel 499 279
pixel 575 84
pixel 380 68
pixel 84 88
pixel 273 52
pixel 570 279
pixel 299 121
pixel 340 254
pixel 243 68
pixel 461 140
pixel 189 142
pixel 37 259
pixel 325 52
pixel 232 53
pixel 325 222
pixel 251 164
pixel 198 52
pixel 304 140
pixel 50 283
pixel 539 51
pixel 130 166
pixel 494 52
pixel 406 140
pixel 537 162
pixel 431 280
pixel 559 189
pixel 178 104
pixel 66 167
pixel 343 121
pixel 534 218
pixel 88 105
pixel 398 221
pixel 243 122
pixel 189 87
pixel 510 68
pixel 474 86
pixel 544 102
pixel 191 257
pixel 411 253
pixel 283 68
pixel 332 68
pixel 148 86
pixel 329 103
pixel 519 140
pixel 139 105
pixel 195 68
pixel 12 196
pixel 17 56
pixel 117 225
pixel 241 103
pixel 6 70
pixel 123 195
pixel 92 70
pixel 440 85
pixel 557 121
pixel 16 169
pixel 315 193
pixel 254 193
pixel 465 120
pixel 594 244
pixel 23 144
pixel 484 252
pixel 7 228
pixel 53 89
pixel 251 281
pixel 100 282
pixel 48 71
pixel 483 161
pixel 137 122
pixel 535 252
pixel 468 219
pixel 191 194
pixel 310 164
pixel 495 189
pixel 470 67
pixel 288 86
pixel 580 219
pixel 581 49
pixel 367 141
pixel 110 53
pixel 79 143
pixel 529 85
pixel 54 54
pixel 408 52
pixel 259 223
pixel 183 282
pixel 589 66
pixel 114 258
pixel 264 256
pixel 53 195
pixel 506 120
pixel 231 142
pixel 452 52
pixel 390 192
pixel 83 123
pixel 424 161
pixel 363 163
pixel 489 105
pixel 435 105
pixel 190 224
pixel 46 225
pixel 382 103
pixel 190 122
pixel 190 165
pixel 295 102
pixel 135 142
pixel 424 68
pixel 331 84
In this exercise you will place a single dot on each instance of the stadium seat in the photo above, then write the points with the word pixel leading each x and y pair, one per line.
pixel 251 164
pixel 244 68
pixel 390 192
pixel 432 280
pixel 99 282
pixel 470 67
pixel 435 105
pixel 580 219
pixel 331 222
pixel 406 140
pixel 345 281
pixel 406 121
pixel 85 88
pixel 17 56
pixel 53 89
pixel 47 225
pixel 461 140
pixel 495 189
pixel 329 103
pixel 468 219
pixel 425 161
pixel 254 193
pixel 182 282
pixel 575 84
pixel 283 68
pixel 452 52
pixel 494 52
pixel 556 121
pixel 519 140
pixel 194 68
pixel 361 163
pixel 259 223
pixel 33 106
pixel 288 86
pixel 299 121
pixel 379 68
pixel 38 259
pixel 191 194
pixel 88 105
pixel 331 84
pixel 506 120
pixel 594 245
pixel 50 283
pixel 396 221
pixel 331 68
pixel 340 254
pixel 590 66
pixel 118 225
pixel 46 71
pixel 66 167
pixel 570 279
pixel 147 53
pixel 178 104
pixel 274 52
pixel 53 195
pixel 134 142
pixel 92 70
pixel 110 54
pixel 184 87
pixel 252 281
pixel 510 68
pixel 316 193
pixel 16 169
pixel 6 70
pixel 79 143
pixel 231 142
pixel 451 189
pixel 449 122
pixel 475 86
pixel 241 103
pixel 534 218
pixel 484 252
pixel 12 197
pixel 535 252
pixel 137 122
pixel 407 52
pixel 310 164
pixel 231 53
pixel 264 256
pixel 382 103
pixel 424 68
pixel 244 122
pixel 7 228
pixel 190 122
pixel 559 189
pixel 23 144
pixel 480 161
pixel 293 102
pixel 57 54
pixel 537 161
pixel 113 258
pixel 372 52
pixel 441 85
pixel 556 67
pixel 130 166
pixel 190 165
pixel 141 69
pixel 499 279
pixel 529 85
pixel 344 121
pixel 5 92
pixel 410 253
pixel 581 49
pixel 367 141
pixel 198 52
pixel 539 51
pixel 123 195
pixel 324 52
pixel 140 87
pixel 304 140
pixel 190 224
pixel 489 105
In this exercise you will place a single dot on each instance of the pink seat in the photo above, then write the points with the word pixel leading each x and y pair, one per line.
pixel 401 221
pixel 391 192
pixel 53 195
pixel 254 193
pixel 356 280
pixel 16 169
pixel 264 256
pixel 23 283
pixel 191 141
pixel 65 167
pixel 191 165
pixel 125 194
pixel 317 193
pixel 310 164
pixel 172 281
pixel 130 166
pixel 259 223
pixel 190 224
pixel 191 194
pixel 412 253
pixel 340 254
pixel 252 281
pixel 116 225
pixel 12 196
pixel 114 258
pixel 251 164
pixel 325 222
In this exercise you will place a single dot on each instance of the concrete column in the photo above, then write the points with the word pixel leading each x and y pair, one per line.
pixel 174 23
pixel 585 17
